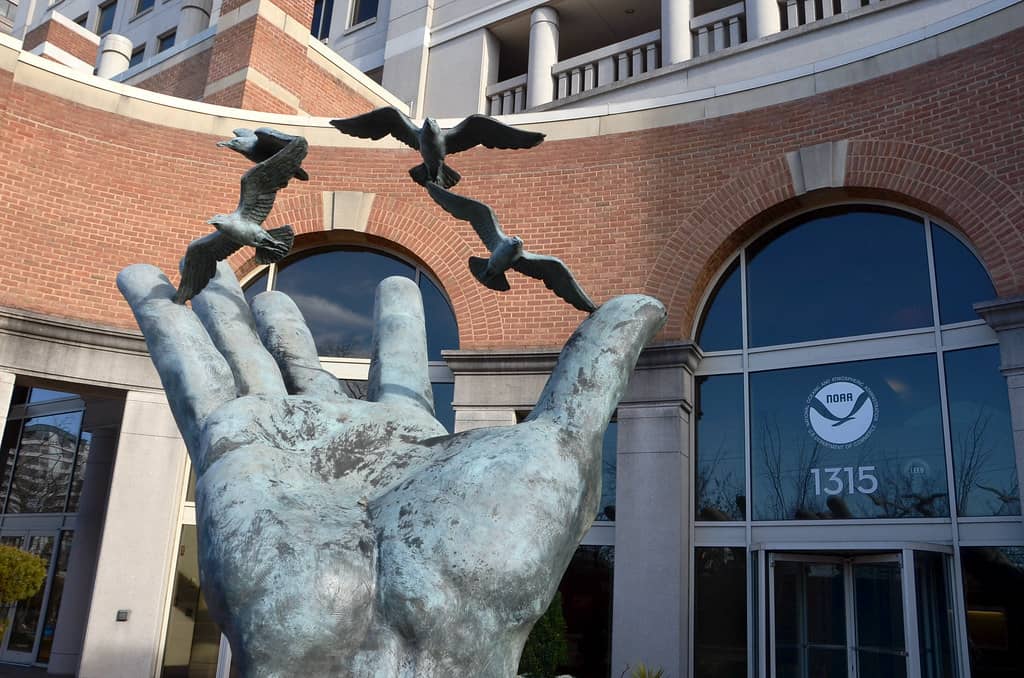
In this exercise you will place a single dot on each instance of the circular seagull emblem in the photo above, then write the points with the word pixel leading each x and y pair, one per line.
pixel 841 412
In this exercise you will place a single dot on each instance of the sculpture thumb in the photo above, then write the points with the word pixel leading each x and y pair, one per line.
pixel 594 367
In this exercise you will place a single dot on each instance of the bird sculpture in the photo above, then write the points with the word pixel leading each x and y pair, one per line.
pixel 507 252
pixel 258 145
pixel 244 226
pixel 434 143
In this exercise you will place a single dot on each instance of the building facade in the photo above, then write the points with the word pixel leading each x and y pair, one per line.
pixel 815 471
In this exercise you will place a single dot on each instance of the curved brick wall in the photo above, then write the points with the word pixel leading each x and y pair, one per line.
pixel 87 191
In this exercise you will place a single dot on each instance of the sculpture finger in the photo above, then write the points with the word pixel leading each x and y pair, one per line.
pixel 284 332
pixel 224 311
pixel 195 376
pixel 398 366
pixel 594 367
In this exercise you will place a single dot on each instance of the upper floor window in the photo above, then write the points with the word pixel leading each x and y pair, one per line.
pixel 105 18
pixel 143 5
pixel 335 289
pixel 845 367
pixel 165 41
pixel 363 10
pixel 322 13
pixel 82 20
pixel 137 56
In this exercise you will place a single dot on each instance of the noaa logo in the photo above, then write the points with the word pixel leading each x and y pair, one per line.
pixel 841 412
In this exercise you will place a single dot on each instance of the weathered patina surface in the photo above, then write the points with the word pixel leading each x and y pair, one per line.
pixel 341 537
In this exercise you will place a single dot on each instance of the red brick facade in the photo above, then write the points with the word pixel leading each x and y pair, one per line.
pixel 61 36
pixel 656 211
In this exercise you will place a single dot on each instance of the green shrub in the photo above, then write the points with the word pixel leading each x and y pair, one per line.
pixel 546 648
pixel 642 671
pixel 21 574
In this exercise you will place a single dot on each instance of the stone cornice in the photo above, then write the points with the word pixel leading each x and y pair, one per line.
pixel 541 361
pixel 71 332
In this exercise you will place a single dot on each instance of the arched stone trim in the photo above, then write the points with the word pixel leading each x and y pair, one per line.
pixel 712 232
pixel 960 192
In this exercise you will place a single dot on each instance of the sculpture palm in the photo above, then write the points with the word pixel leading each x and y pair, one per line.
pixel 341 537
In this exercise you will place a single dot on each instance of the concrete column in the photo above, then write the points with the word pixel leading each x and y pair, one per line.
pixel 406 52
pixel 6 393
pixel 1006 317
pixel 676 43
pixel 114 55
pixel 195 18
pixel 651 604
pixel 78 583
pixel 762 18
pixel 540 87
pixel 136 549
pixel 474 56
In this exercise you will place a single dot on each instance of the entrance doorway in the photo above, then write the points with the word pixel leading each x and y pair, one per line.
pixel 30 623
pixel 878 615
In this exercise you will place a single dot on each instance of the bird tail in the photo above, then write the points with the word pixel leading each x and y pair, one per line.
pixel 446 176
pixel 277 247
pixel 301 174
pixel 478 267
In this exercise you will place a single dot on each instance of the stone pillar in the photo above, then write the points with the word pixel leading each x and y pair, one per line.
pixel 6 393
pixel 406 52
pixel 195 18
pixel 115 54
pixel 136 548
pixel 651 604
pixel 762 18
pixel 1006 317
pixel 78 583
pixel 676 42
pixel 540 86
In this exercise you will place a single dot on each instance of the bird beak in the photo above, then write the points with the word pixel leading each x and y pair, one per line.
pixel 210 221
pixel 223 143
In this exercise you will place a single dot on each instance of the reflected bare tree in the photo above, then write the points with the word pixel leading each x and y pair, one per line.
pixel 719 493
pixel 779 503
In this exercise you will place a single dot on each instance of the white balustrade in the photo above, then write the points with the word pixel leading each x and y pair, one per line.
pixel 718 30
pixel 802 12
pixel 507 97
pixel 606 65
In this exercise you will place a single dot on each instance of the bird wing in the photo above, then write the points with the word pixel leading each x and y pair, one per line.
pixel 820 408
pixel 480 129
pixel 556 276
pixel 262 182
pixel 380 123
pixel 484 221
pixel 199 264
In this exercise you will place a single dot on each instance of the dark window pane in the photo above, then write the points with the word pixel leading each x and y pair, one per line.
pixel 720 613
pixel 934 614
pixel 27 613
pixel 878 604
pixel 335 291
pixel 137 57
pixel 166 41
pixel 584 631
pixel 81 21
pixel 850 440
pixel 256 286
pixel 721 469
pixel 994 596
pixel 606 511
pixel 443 412
pixel 46 456
pixel 322 12
pixel 364 11
pixel 105 21
pixel 979 420
pixel 442 332
pixel 826 276
pixel 56 591
pixel 78 477
pixel 960 278
pixel 193 639
pixel 721 328
pixel 143 6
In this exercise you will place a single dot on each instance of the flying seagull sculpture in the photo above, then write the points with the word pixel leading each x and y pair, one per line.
pixel 244 226
pixel 434 143
pixel 258 145
pixel 507 252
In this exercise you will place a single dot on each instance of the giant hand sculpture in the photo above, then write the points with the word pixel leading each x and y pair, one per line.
pixel 347 538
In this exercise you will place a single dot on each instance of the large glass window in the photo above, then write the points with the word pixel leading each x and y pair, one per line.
pixel 994 595
pixel 720 613
pixel 894 376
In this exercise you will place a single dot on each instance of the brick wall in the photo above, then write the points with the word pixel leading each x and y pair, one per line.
pixel 186 79
pixel 63 37
pixel 655 211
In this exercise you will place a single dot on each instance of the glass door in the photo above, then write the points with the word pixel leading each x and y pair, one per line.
pixel 24 619
pixel 836 617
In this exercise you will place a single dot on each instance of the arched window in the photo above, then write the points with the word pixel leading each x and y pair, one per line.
pixel 847 376
pixel 334 288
